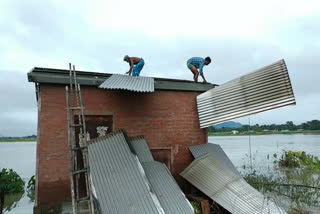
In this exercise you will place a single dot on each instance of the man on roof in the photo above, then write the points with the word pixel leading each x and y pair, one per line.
pixel 196 63
pixel 136 64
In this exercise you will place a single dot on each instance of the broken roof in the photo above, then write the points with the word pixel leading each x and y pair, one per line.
pixel 141 149
pixel 262 90
pixel 216 151
pixel 227 188
pixel 60 76
pixel 117 179
pixel 124 183
pixel 167 190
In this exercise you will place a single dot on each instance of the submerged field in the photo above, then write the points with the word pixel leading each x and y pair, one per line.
pixel 277 182
pixel 285 168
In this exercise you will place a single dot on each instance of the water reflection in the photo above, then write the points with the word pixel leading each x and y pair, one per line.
pixel 30 195
pixel 11 201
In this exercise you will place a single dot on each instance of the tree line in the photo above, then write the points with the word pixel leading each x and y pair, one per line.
pixel 289 125
pixel 24 137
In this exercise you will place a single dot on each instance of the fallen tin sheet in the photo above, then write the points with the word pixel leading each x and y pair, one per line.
pixel 131 83
pixel 141 149
pixel 119 180
pixel 216 151
pixel 262 90
pixel 227 188
pixel 162 183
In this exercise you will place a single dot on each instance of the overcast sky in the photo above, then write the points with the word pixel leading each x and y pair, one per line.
pixel 240 36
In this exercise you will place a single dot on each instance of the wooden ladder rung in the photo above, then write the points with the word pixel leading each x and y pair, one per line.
pixel 76 108
pixel 75 125
pixel 83 199
pixel 80 148
pixel 80 171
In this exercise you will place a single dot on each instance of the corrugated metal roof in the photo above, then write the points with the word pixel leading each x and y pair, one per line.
pixel 167 190
pixel 216 151
pixel 118 179
pixel 140 147
pixel 61 76
pixel 265 89
pixel 227 188
pixel 127 82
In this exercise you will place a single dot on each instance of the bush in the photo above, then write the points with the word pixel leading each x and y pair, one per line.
pixel 10 182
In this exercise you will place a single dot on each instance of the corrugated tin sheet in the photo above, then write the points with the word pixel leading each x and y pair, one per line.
pixel 216 151
pixel 227 188
pixel 131 83
pixel 167 190
pixel 141 149
pixel 265 89
pixel 118 179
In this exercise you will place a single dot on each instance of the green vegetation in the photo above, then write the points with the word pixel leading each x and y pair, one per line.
pixel 196 206
pixel 31 188
pixel 295 177
pixel 19 139
pixel 288 127
pixel 292 159
pixel 11 201
pixel 10 182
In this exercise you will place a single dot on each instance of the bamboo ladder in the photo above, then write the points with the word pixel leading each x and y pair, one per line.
pixel 78 166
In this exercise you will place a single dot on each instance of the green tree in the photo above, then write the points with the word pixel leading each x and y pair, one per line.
pixel 10 182
pixel 290 126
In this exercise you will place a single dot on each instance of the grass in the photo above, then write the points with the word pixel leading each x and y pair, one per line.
pixel 263 133
pixel 17 140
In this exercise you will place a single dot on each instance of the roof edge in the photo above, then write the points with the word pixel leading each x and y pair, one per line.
pixel 60 76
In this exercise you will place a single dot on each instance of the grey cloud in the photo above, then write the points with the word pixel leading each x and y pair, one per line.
pixel 61 37
pixel 18 109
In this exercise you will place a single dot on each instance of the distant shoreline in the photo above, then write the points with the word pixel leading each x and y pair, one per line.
pixel 263 133
pixel 8 140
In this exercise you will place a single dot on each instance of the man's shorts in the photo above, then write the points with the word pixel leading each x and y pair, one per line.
pixel 189 65
pixel 137 68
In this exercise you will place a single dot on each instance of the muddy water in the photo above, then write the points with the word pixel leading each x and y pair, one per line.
pixel 21 156
pixel 238 150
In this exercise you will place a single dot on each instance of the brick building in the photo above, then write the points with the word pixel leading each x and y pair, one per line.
pixel 167 118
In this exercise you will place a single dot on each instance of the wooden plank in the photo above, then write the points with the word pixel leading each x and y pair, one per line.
pixel 205 207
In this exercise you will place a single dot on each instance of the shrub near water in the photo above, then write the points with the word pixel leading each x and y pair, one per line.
pixel 295 177
pixel 10 182
pixel 292 159
pixel 31 188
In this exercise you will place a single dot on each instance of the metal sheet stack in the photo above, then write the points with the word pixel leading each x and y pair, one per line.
pixel 126 179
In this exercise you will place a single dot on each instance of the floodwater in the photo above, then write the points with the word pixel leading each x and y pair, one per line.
pixel 21 156
pixel 263 148
pixel 238 147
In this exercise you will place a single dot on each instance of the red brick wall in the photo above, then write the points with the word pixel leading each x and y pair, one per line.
pixel 167 119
